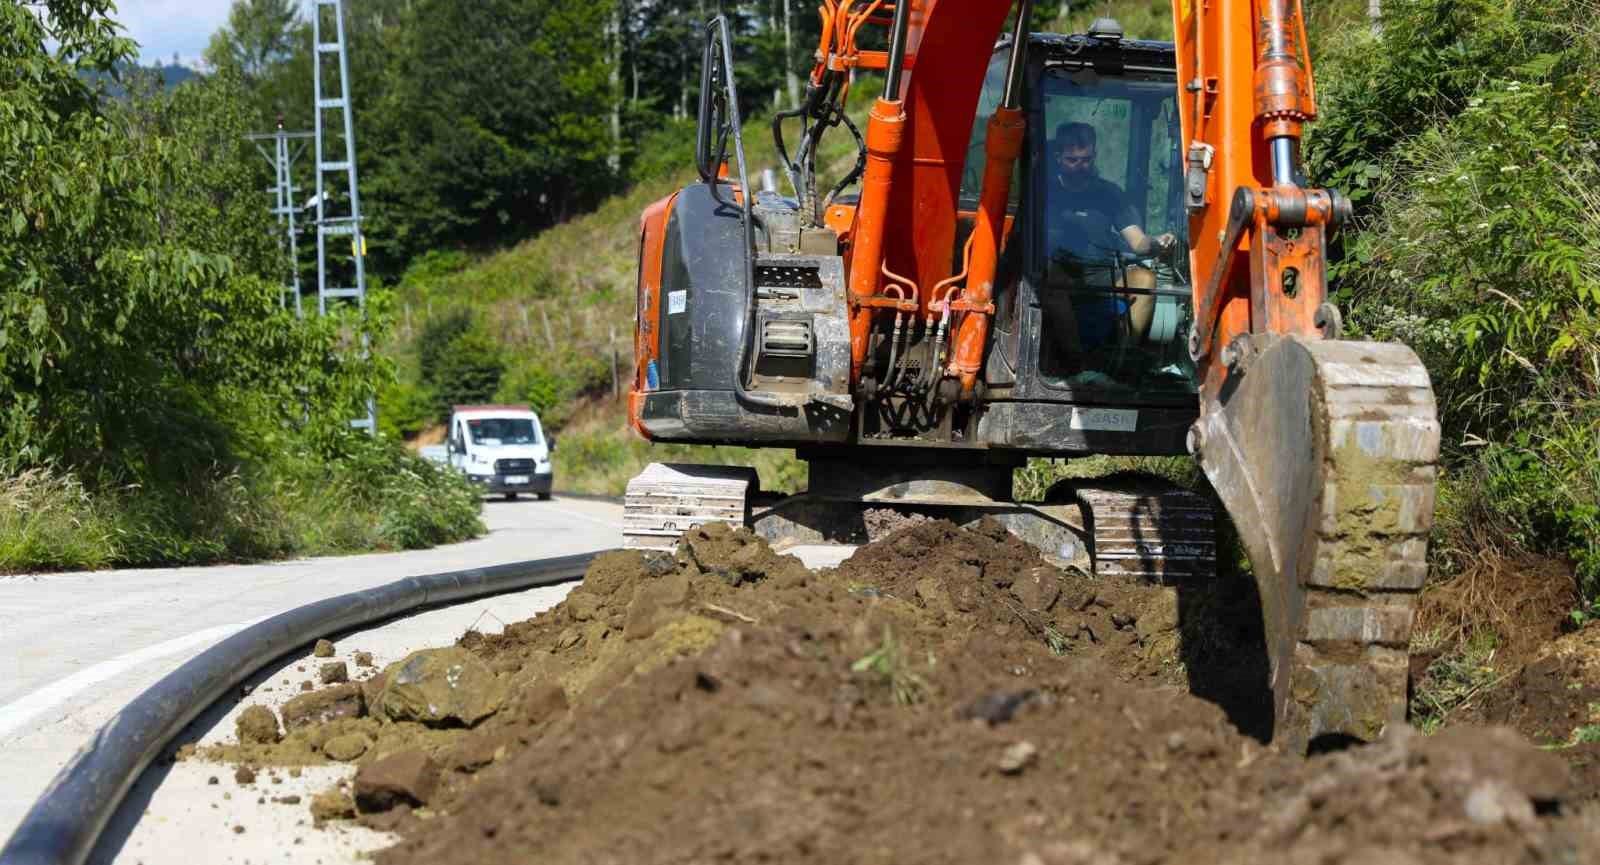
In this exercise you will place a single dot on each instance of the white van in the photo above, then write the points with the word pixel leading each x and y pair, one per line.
pixel 501 447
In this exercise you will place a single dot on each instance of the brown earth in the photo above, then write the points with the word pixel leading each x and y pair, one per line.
pixel 943 696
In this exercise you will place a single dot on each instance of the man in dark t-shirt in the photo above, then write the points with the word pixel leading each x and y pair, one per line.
pixel 1092 230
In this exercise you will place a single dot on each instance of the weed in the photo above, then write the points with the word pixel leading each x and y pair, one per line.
pixel 888 665
pixel 1453 679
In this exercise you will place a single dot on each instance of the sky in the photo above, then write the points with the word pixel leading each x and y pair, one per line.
pixel 162 27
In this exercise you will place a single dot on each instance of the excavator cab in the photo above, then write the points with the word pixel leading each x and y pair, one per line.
pixel 1083 315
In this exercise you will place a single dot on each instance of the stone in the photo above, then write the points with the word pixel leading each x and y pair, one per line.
pixel 334 672
pixel 544 702
pixel 323 649
pixel 441 687
pixel 404 778
pixel 477 750
pixel 328 704
pixel 1159 615
pixel 998 707
pixel 244 775
pixel 364 659
pixel 332 805
pixel 257 725
pixel 1038 589
pixel 345 748
pixel 651 600
pixel 1018 757
pixel 582 606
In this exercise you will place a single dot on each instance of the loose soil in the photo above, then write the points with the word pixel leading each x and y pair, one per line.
pixel 942 696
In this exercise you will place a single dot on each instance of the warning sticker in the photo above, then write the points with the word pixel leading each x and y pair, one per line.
pixel 677 301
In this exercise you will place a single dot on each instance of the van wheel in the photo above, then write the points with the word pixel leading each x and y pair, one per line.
pixel 544 497
pixel 511 497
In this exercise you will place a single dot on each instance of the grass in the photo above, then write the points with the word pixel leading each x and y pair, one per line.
pixel 48 521
pixel 889 668
pixel 374 497
pixel 1464 670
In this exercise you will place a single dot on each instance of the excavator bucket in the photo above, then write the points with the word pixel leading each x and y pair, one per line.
pixel 1324 453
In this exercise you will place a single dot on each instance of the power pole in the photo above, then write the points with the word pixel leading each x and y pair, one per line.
pixel 282 160
pixel 332 222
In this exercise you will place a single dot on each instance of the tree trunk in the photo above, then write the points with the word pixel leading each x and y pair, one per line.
pixel 614 159
pixel 1375 15
pixel 788 56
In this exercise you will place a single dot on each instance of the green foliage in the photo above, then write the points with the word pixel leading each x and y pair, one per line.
pixel 150 384
pixel 48 521
pixel 553 387
pixel 467 370
pixel 258 35
pixel 488 122
pixel 1469 132
pixel 1455 676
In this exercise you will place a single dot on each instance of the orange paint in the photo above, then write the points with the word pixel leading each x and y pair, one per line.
pixel 647 327
pixel 1002 147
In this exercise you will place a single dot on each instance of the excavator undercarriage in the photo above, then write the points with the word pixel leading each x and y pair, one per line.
pixel 971 309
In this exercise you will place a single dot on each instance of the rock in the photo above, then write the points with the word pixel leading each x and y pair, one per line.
pixel 477 750
pixel 441 687
pixel 652 601
pixel 339 701
pixel 1038 589
pixel 364 659
pixel 1491 803
pixel 406 778
pixel 1159 615
pixel 257 725
pixel 996 708
pixel 345 748
pixel 334 672
pixel 1018 757
pixel 332 805
pixel 323 649
pixel 543 702
pixel 582 606
pixel 568 638
pixel 372 690
pixel 291 799
pixel 1466 755
pixel 306 685
pixel 244 775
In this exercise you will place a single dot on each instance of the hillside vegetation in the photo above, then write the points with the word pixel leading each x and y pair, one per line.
pixel 156 403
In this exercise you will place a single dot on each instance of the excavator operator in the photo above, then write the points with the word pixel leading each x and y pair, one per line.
pixel 1093 233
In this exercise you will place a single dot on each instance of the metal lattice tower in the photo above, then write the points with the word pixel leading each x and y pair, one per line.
pixel 282 159
pixel 338 218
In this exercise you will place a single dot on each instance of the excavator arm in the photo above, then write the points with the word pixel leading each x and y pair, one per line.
pixel 1322 451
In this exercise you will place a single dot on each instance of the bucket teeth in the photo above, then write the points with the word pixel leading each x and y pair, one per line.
pixel 1324 454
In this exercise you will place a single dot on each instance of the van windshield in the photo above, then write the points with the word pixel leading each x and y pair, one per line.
pixel 503 431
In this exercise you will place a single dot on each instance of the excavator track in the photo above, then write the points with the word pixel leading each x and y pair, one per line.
pixel 1324 453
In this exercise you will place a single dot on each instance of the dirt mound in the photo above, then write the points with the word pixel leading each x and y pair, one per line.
pixel 942 696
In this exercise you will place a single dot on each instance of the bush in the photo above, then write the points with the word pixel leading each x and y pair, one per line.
pixel 1469 132
pixel 554 387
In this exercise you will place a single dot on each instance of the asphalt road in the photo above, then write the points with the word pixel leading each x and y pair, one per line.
pixel 74 648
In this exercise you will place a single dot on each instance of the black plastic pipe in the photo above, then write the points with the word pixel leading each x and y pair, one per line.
pixel 64 825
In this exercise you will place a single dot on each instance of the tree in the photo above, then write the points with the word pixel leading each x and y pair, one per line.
pixel 140 334
pixel 259 34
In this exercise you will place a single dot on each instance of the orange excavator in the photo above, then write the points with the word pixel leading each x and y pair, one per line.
pixel 1057 246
